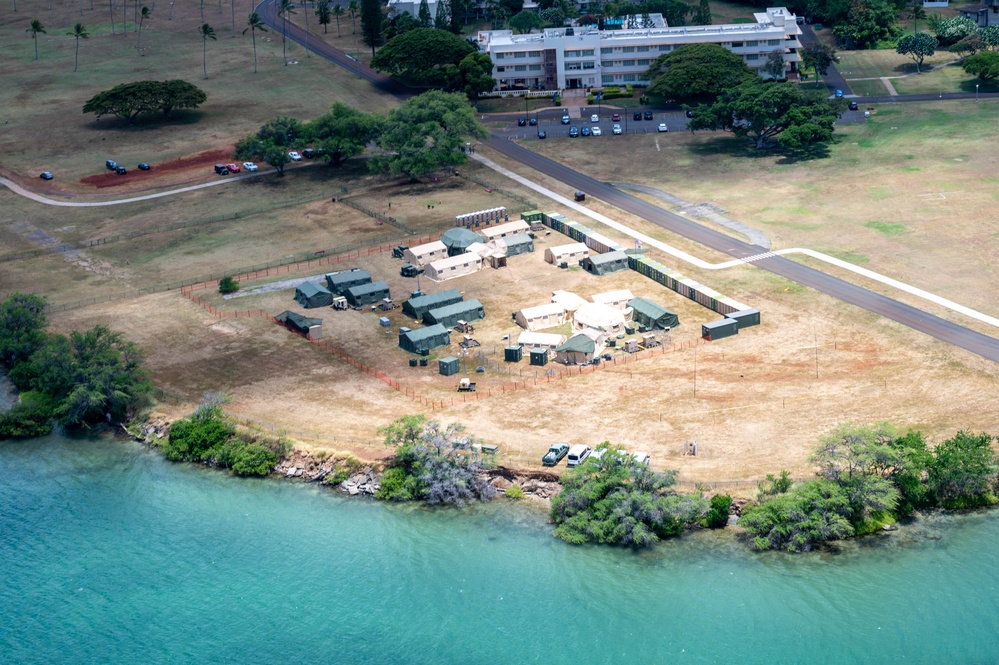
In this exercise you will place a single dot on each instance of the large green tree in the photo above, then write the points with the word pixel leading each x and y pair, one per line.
pixel 797 521
pixel 472 76
pixel 818 57
pixel 963 471
pixel 22 327
pixel 697 72
pixel 984 65
pixel 343 132
pixel 420 56
pixel 867 23
pixel 272 142
pixel 771 113
pixel 424 134
pixel 525 21
pixel 371 23
pixel 129 100
pixel 324 14
pixel 917 47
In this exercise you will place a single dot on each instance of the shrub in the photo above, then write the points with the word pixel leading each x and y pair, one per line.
pixel 252 459
pixel 197 439
pixel 514 492
pixel 32 416
pixel 717 515
pixel 815 512
pixel 228 285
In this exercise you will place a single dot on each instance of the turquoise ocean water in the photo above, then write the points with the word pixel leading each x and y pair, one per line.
pixel 109 554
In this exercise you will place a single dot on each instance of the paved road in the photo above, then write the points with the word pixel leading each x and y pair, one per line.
pixel 975 342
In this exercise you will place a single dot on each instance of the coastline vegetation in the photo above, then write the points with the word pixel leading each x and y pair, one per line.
pixel 868 478
pixel 208 436
pixel 72 381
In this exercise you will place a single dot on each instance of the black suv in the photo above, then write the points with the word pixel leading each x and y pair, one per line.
pixel 522 122
pixel 221 169
pixel 648 115
pixel 637 115
pixel 144 166
pixel 111 165
pixel 532 122
pixel 853 106
pixel 121 170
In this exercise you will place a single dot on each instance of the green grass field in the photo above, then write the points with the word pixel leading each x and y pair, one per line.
pixel 874 64
pixel 943 79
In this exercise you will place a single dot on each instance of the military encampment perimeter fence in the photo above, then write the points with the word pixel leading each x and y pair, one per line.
pixel 530 205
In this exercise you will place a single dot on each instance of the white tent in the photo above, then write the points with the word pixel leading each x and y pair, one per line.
pixel 421 255
pixel 542 316
pixel 599 317
pixel 570 253
pixel 599 338
pixel 538 340
pixel 455 266
pixel 618 299
pixel 504 230
pixel 567 299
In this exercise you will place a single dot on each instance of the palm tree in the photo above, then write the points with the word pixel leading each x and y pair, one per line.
pixel 284 8
pixel 352 9
pixel 36 27
pixel 232 11
pixel 80 32
pixel 305 3
pixel 337 13
pixel 202 10
pixel 255 24
pixel 207 32
pixel 142 17
pixel 111 11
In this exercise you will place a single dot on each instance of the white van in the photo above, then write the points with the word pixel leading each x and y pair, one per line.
pixel 577 455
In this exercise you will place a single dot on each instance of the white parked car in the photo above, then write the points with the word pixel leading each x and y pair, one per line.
pixel 663 127
pixel 594 118
pixel 596 131
pixel 250 166
pixel 616 129
pixel 295 157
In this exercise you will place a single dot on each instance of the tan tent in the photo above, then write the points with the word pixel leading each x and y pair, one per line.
pixel 421 255
pixel 542 316
pixel 618 299
pixel 599 317
pixel 455 266
pixel 567 299
pixel 504 230
pixel 571 253
pixel 538 340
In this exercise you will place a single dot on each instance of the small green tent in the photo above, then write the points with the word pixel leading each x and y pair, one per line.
pixel 449 315
pixel 518 244
pixel 420 305
pixel 653 316
pixel 424 340
pixel 310 295
pixel 297 322
pixel 458 240
pixel 338 282
pixel 604 264
pixel 577 350
pixel 365 294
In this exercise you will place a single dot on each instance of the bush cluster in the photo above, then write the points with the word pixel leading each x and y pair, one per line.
pixel 228 285
pixel 211 438
pixel 870 476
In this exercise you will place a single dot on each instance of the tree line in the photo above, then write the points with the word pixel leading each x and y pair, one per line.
pixel 422 135
pixel 74 381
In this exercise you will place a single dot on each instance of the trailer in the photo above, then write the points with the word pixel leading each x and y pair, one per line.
pixel 466 386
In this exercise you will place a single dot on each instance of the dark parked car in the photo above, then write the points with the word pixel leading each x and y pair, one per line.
pixel 46 175
pixel 542 134
pixel 566 119
pixel 143 166
pixel 648 115
pixel 522 122
pixel 853 106
pixel 308 153
pixel 555 454
pixel 111 165
pixel 121 170
pixel 532 122
pixel 690 114
pixel 221 169
pixel 574 132
pixel 637 115
pixel 585 131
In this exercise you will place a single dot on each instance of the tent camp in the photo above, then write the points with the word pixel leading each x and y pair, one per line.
pixel 652 316
pixel 449 315
pixel 577 350
pixel 421 255
pixel 604 264
pixel 571 253
pixel 519 227
pixel 454 266
pixel 618 299
pixel 542 316
pixel 309 295
pixel 457 240
pixel 600 317
pixel 424 340
pixel 301 324
pixel 338 282
pixel 494 253
pixel 365 294
pixel 567 299
pixel 517 245
pixel 420 305
pixel 539 340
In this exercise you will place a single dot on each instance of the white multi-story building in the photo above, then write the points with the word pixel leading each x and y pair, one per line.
pixel 583 56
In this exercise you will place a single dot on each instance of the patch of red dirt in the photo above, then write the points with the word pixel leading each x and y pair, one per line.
pixel 202 161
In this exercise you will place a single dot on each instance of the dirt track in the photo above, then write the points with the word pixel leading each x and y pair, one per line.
pixel 201 162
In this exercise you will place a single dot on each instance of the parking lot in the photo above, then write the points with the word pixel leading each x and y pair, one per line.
pixel 549 121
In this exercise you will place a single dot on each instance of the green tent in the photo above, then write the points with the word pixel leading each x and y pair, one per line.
pixel 297 322
pixel 518 244
pixel 365 294
pixel 310 295
pixel 653 316
pixel 424 340
pixel 577 350
pixel 458 240
pixel 449 315
pixel 338 282
pixel 420 305
pixel 604 264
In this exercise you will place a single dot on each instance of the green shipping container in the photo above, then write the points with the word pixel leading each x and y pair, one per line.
pixel 449 366
pixel 539 357
pixel 513 354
